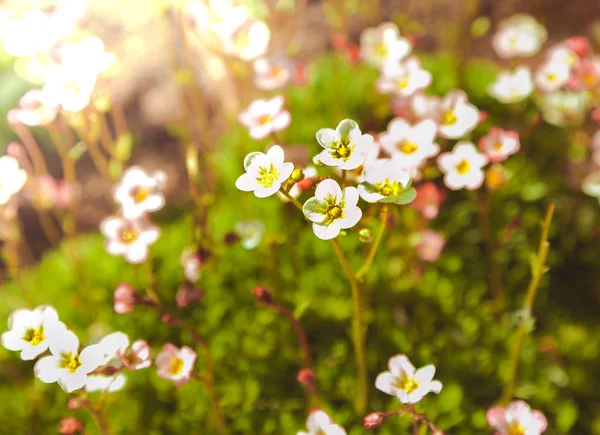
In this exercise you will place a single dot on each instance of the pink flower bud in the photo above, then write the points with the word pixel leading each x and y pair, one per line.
pixel 187 294
pixel 137 356
pixel 306 377
pixel 430 246
pixel 125 298
pixel 70 425
pixel 262 294
pixel 374 420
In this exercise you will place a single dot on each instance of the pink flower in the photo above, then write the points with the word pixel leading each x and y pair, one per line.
pixel 586 75
pixel 430 245
pixel 175 364
pixel 499 144
pixel 516 419
pixel 579 45
pixel 125 298
pixel 35 108
pixel 137 357
pixel 264 117
pixel 70 425
pixel 428 201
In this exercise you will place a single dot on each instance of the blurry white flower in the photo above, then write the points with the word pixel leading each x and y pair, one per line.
pixel 345 147
pixel 264 172
pixel 219 16
pixel 192 264
pixel 516 419
pixel 511 87
pixel 33 33
pixel 273 72
pixel 29 331
pixel 564 108
pixel 586 75
pixel 263 117
pixel 403 78
pixel 410 145
pixel 386 181
pixel 175 364
pixel 562 53
pixel 405 382
pixel 462 167
pixel 498 144
pixel 430 246
pixel 137 357
pixel 423 106
pixel 67 14
pixel 520 35
pixel 454 114
pixel 332 209
pixel 139 192
pixel 129 238
pixel 12 178
pixel 552 75
pixel 319 423
pixel 67 365
pixel 70 88
pixel 251 233
pixel 105 383
pixel 249 41
pixel 87 56
pixel 35 109
pixel 115 348
pixel 383 44
pixel 591 185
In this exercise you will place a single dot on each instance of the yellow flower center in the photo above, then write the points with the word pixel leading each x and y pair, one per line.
pixel 342 149
pixel 403 83
pixel 34 336
pixel 278 72
pixel 498 146
pixel 176 366
pixel 267 176
pixel 463 167
pixel 551 77
pixel 381 51
pixel 516 429
pixel 407 147
pixel 449 118
pixel 388 188
pixel 139 194
pixel 70 361
pixel 406 383
pixel 128 235
pixel 589 79
pixel 335 212
pixel 265 119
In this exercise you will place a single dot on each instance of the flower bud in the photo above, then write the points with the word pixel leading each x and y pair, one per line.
pixel 231 238
pixel 262 294
pixel 374 420
pixel 365 235
pixel 166 319
pixel 297 175
pixel 125 298
pixel 70 425
pixel 306 377
pixel 187 294
pixel 75 403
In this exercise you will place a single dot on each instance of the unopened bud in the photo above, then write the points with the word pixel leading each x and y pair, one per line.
pixel 297 175
pixel 166 319
pixel 365 235
pixel 125 298
pixel 262 294
pixel 75 403
pixel 306 377
pixel 374 420
pixel 70 425
pixel 231 238
pixel 187 294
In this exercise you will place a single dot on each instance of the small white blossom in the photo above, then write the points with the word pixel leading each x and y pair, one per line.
pixel 35 109
pixel 67 365
pixel 264 117
pixel 139 192
pixel 319 423
pixel 332 209
pixel 345 147
pixel 249 41
pixel 273 72
pixel 383 44
pixel 462 167
pixel 219 16
pixel 403 78
pixel 264 172
pixel 70 88
pixel 520 35
pixel 29 331
pixel 129 238
pixel 386 181
pixel 33 33
pixel 511 87
pixel 516 419
pixel 251 233
pixel 498 144
pixel 454 115
pixel 175 364
pixel 12 178
pixel 405 382
pixel 87 56
pixel 411 145
pixel 552 75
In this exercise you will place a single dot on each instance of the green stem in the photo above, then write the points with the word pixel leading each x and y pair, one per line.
pixel 371 256
pixel 293 200
pixel 358 328
pixel 538 269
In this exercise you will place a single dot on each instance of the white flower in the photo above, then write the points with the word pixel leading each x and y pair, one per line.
pixel 386 181
pixel 462 167
pixel 35 109
pixel 552 75
pixel 67 14
pixel 12 178
pixel 113 345
pixel 498 144
pixel 139 192
pixel 67 365
pixel 220 16
pixel 564 108
pixel 33 33
pixel 249 41
pixel 345 147
pixel 319 423
pixel 411 145
pixel 87 56
pixel 383 44
pixel 516 419
pixel 403 78
pixel 273 72
pixel 511 87
pixel 406 383
pixel 251 233
pixel 591 185
pixel 264 117
pixel 175 364
pixel 520 35
pixel 29 331
pixel 332 209
pixel 561 53
pixel 264 172
pixel 69 87
pixel 129 238
pixel 104 383
pixel 454 115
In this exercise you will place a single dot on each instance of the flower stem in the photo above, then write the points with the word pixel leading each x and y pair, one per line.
pixel 293 200
pixel 538 269
pixel 371 256
pixel 358 328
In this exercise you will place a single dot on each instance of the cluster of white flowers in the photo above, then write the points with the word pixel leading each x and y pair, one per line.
pixel 130 233
pixel 34 332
